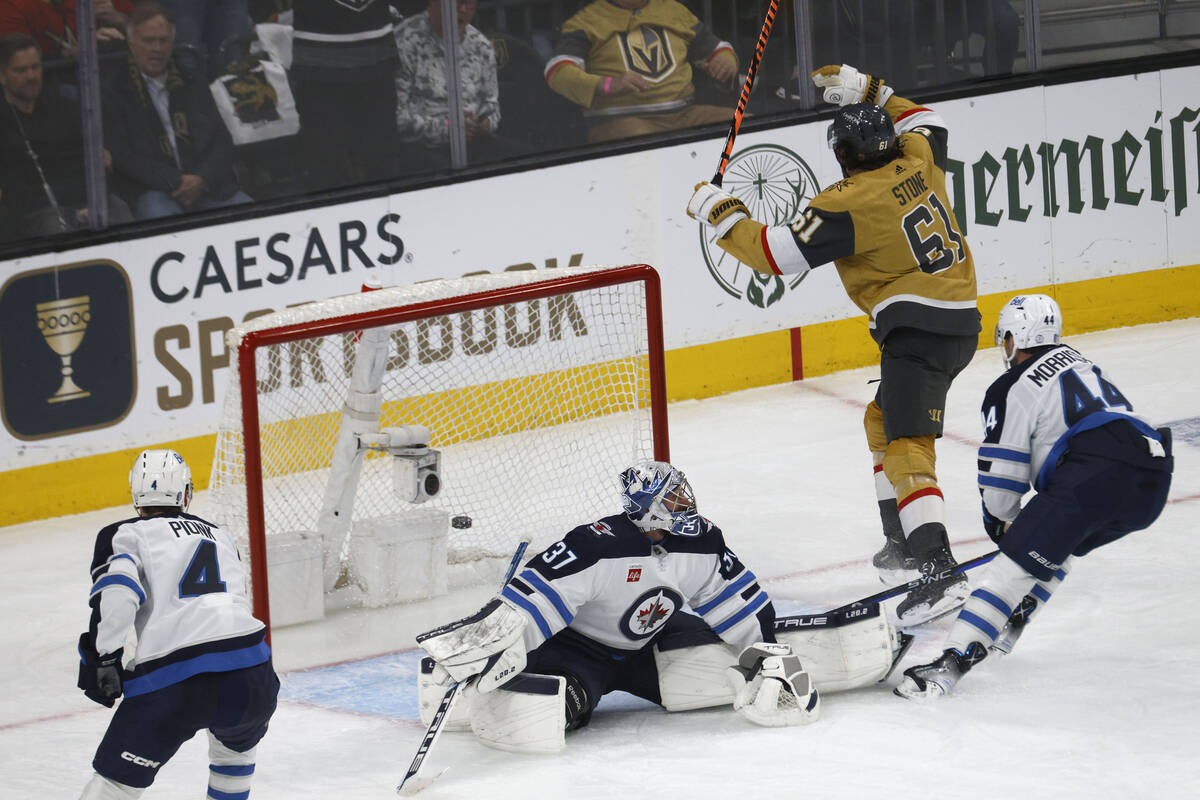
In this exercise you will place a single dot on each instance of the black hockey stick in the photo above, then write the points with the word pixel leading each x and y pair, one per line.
pixel 740 111
pixel 411 783
pixel 905 588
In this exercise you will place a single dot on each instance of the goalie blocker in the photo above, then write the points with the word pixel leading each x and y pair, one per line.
pixel 768 684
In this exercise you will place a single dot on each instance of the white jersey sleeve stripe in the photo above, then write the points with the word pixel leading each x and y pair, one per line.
pixel 989 481
pixel 536 581
pixel 923 116
pixel 757 602
pixel 514 597
pixel 742 582
pixel 783 253
pixel 119 580
pixel 988 453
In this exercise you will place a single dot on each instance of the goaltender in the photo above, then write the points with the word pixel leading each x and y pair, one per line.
pixel 889 229
pixel 603 610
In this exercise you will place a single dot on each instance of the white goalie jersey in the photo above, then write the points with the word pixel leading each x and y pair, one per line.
pixel 179 582
pixel 607 582
pixel 1030 414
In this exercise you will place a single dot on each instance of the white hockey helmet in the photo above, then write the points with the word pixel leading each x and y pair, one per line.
pixel 160 478
pixel 1034 320
pixel 657 496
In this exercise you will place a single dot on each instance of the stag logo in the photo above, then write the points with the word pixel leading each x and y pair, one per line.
pixel 775 184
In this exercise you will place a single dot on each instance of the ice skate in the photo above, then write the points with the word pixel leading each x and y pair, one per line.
pixel 894 563
pixel 933 680
pixel 942 590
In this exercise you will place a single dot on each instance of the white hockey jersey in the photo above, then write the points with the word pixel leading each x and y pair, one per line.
pixel 608 582
pixel 180 583
pixel 1030 414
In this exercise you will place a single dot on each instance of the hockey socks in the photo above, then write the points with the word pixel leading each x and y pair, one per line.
pixel 229 772
pixel 1038 596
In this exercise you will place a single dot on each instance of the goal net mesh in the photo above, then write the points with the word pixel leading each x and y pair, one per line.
pixel 535 405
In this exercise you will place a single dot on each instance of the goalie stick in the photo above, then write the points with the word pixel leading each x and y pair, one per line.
pixel 905 588
pixel 411 783
pixel 740 111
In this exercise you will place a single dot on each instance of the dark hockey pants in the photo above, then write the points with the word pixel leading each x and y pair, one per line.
pixel 600 670
pixel 1090 500
pixel 148 729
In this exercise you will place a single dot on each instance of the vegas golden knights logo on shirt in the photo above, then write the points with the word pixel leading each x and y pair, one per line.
pixel 647 51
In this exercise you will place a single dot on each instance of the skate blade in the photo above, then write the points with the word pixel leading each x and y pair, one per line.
pixel 895 577
pixel 946 604
pixel 909 691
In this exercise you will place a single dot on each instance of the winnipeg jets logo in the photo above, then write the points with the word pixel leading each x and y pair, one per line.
pixel 650 612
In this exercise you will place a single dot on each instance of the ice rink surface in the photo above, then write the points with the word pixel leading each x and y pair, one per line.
pixel 1101 698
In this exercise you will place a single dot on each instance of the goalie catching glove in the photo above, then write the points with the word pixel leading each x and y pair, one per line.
pixel 717 208
pixel 845 86
pixel 490 643
pixel 772 689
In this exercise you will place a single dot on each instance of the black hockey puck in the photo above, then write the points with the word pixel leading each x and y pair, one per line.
pixel 460 521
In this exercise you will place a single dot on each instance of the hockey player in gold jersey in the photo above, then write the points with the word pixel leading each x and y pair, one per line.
pixel 889 229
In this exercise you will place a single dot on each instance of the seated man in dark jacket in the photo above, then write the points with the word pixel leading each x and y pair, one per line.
pixel 42 181
pixel 171 151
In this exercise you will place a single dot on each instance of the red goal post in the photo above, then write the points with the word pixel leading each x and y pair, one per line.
pixel 556 384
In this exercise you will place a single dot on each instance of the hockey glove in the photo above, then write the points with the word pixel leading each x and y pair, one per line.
pixel 845 85
pixel 717 208
pixel 995 527
pixel 490 643
pixel 99 676
pixel 771 688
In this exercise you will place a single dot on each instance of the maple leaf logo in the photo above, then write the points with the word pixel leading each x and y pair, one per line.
pixel 650 617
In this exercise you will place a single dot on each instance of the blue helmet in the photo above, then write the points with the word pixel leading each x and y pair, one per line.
pixel 657 496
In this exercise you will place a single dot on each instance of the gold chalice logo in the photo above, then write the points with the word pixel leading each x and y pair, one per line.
pixel 62 323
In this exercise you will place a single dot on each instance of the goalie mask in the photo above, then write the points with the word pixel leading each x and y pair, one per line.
pixel 160 478
pixel 657 496
pixel 1033 320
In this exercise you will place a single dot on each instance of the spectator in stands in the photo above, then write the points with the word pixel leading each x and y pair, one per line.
pixel 52 24
pixel 422 101
pixel 343 78
pixel 629 64
pixel 41 147
pixel 171 151
pixel 212 27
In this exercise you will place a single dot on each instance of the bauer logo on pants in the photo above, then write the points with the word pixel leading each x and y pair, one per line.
pixel 66 350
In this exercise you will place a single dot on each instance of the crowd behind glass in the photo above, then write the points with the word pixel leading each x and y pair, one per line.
pixel 204 104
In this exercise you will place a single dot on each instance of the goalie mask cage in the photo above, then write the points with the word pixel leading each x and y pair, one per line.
pixel 537 387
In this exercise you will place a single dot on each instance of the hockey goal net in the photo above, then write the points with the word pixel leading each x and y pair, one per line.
pixel 536 388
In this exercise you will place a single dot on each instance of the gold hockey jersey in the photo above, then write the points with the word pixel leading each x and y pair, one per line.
pixel 658 41
pixel 890 232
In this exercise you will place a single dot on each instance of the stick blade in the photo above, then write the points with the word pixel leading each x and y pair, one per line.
pixel 417 784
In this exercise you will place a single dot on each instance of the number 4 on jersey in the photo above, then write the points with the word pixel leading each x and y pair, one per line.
pixel 203 573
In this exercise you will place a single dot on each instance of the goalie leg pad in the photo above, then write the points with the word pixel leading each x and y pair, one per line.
pixel 694 677
pixel 842 651
pixel 526 715
pixel 432 684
